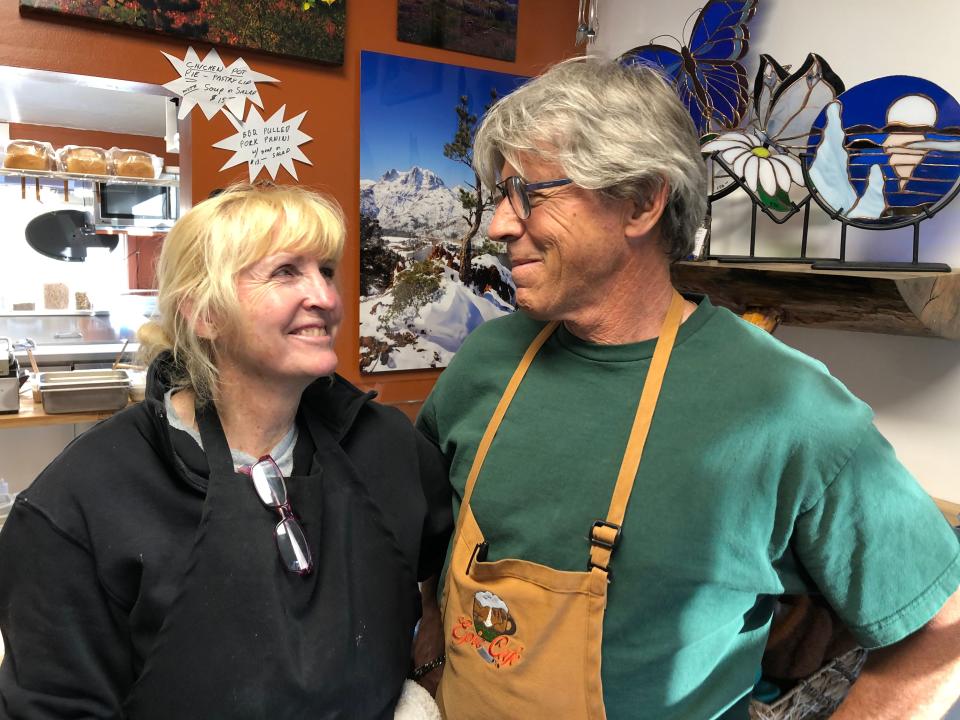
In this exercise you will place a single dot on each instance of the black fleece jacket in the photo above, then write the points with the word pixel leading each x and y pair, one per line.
pixel 92 554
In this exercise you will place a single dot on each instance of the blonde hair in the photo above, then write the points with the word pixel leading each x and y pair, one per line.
pixel 619 130
pixel 208 247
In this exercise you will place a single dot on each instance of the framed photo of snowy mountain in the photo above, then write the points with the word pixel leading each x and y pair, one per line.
pixel 429 274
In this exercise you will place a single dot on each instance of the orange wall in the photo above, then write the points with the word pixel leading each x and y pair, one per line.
pixel 545 34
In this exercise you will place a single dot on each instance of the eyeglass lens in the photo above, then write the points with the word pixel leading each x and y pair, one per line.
pixel 516 192
pixel 291 541
pixel 292 544
pixel 268 482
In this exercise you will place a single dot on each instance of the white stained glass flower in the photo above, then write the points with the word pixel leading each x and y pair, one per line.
pixel 755 163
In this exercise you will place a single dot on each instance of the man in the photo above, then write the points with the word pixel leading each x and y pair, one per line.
pixel 581 586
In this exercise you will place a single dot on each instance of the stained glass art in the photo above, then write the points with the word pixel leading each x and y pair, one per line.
pixel 765 154
pixel 886 152
pixel 706 72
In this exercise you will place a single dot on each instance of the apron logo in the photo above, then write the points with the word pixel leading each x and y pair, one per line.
pixel 489 631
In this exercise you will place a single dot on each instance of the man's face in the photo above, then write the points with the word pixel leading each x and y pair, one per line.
pixel 565 255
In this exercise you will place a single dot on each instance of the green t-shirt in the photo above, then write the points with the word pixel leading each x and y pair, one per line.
pixel 762 475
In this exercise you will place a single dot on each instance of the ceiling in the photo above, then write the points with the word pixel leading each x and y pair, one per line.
pixel 87 103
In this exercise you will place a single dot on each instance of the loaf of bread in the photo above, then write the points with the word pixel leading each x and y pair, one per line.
pixel 134 163
pixel 29 155
pixel 83 159
pixel 55 296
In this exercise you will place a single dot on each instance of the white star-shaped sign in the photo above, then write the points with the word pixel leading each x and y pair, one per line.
pixel 212 85
pixel 266 143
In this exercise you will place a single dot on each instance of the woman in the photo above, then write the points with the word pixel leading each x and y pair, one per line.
pixel 246 542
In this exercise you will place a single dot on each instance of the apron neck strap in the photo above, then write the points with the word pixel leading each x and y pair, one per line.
pixel 214 439
pixel 501 409
pixel 604 534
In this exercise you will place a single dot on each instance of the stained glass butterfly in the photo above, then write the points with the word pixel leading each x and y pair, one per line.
pixel 706 73
pixel 765 153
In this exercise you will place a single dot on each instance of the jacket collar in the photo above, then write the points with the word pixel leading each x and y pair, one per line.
pixel 333 400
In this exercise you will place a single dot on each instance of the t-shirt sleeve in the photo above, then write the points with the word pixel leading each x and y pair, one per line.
pixel 426 419
pixel 438 523
pixel 878 547
pixel 67 654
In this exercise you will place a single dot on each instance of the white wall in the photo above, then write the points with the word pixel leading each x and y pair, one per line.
pixel 913 384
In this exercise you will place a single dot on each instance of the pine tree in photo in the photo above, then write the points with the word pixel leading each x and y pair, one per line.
pixel 472 199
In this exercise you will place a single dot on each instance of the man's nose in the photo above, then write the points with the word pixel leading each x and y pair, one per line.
pixel 505 224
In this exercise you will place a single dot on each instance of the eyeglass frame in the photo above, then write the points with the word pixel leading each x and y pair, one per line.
pixel 521 188
pixel 282 506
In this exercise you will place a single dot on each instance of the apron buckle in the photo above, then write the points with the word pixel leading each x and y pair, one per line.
pixel 600 534
pixel 591 565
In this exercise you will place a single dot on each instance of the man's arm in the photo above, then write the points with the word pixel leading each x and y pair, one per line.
pixel 916 678
pixel 428 644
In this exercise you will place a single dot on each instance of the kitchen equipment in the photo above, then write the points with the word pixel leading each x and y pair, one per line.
pixel 84 390
pixel 10 378
pixel 122 205
pixel 35 385
pixel 66 235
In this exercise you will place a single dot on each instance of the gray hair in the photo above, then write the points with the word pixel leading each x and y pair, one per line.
pixel 619 130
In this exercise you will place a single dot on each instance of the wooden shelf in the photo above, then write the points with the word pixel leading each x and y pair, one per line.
pixel 106 179
pixel 32 415
pixel 899 303
pixel 951 511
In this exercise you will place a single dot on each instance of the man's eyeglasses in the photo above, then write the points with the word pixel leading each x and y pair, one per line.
pixel 291 542
pixel 515 189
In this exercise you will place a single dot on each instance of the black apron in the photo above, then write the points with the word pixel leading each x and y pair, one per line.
pixel 245 638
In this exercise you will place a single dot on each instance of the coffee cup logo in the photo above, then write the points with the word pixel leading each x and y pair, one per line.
pixel 489 630
pixel 491 616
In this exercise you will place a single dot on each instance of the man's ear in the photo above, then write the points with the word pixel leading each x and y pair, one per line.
pixel 644 218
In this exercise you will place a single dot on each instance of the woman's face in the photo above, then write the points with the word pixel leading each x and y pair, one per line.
pixel 288 315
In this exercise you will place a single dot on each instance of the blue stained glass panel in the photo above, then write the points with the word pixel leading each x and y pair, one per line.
pixel 886 150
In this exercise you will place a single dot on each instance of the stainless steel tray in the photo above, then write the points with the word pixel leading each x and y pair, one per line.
pixel 84 390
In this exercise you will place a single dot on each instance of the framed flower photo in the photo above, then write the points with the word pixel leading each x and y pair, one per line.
pixel 307 29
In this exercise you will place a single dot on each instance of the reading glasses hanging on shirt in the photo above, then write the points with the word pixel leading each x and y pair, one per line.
pixel 882 155
pixel 272 490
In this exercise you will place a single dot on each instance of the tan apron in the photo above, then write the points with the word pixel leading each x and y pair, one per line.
pixel 523 640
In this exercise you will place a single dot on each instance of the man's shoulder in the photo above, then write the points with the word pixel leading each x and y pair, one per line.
pixel 757 353
pixel 762 377
pixel 498 339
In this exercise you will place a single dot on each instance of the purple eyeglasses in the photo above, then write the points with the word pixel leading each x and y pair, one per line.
pixel 291 542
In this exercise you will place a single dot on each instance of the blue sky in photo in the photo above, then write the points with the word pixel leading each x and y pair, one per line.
pixel 407 112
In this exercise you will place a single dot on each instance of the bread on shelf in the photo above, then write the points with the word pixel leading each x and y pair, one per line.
pixel 134 163
pixel 29 155
pixel 83 159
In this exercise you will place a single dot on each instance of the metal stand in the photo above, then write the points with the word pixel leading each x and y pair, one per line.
pixel 843 264
pixel 756 202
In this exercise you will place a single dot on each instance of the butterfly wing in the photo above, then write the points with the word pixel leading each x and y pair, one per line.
pixel 670 63
pixel 719 39
pixel 797 101
pixel 666 60
pixel 707 77
pixel 770 75
pixel 720 32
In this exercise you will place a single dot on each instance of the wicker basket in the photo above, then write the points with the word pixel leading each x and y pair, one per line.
pixel 817 696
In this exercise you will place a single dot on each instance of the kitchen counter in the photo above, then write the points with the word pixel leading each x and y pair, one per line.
pixel 32 415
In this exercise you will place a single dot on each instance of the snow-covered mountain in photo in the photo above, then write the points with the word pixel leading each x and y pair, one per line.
pixel 416 201
pixel 433 333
